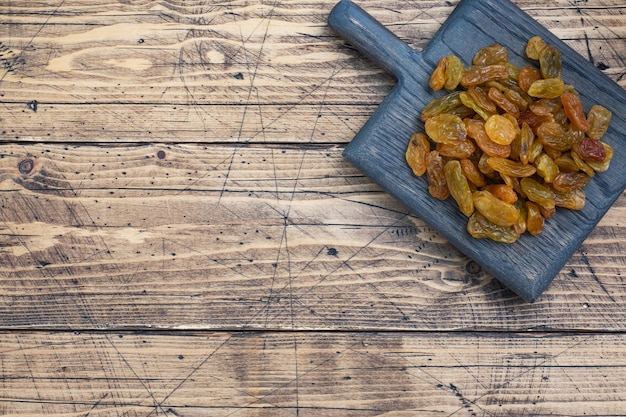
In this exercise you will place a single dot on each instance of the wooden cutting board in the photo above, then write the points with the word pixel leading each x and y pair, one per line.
pixel 529 265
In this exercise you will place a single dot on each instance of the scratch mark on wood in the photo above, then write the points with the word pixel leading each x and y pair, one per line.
pixel 189 375
pixel 30 41
pixel 590 268
pixel 158 405
pixel 96 404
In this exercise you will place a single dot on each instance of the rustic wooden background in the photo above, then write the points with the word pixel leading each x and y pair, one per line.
pixel 180 236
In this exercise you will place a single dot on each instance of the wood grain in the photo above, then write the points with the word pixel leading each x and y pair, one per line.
pixel 311 374
pixel 123 72
pixel 179 234
pixel 208 236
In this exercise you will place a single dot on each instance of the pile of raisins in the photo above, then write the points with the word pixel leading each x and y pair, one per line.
pixel 508 144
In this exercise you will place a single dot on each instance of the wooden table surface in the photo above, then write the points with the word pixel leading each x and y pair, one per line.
pixel 180 236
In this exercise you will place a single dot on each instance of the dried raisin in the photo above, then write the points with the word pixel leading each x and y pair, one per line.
pixel 494 209
pixel 437 185
pixel 445 104
pixel 527 76
pixel 538 193
pixel 550 62
pixel 480 227
pixel 453 72
pixel 500 129
pixel 567 181
pixel 459 187
pixel 479 75
pixel 574 111
pixel 534 219
pixel 599 118
pixel 534 46
pixel 438 77
pixel 458 150
pixel 416 152
pixel 511 168
pixel 446 128
pixel 590 150
pixel 547 88
pixel 491 55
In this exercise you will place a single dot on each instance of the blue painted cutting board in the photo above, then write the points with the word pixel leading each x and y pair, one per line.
pixel 529 265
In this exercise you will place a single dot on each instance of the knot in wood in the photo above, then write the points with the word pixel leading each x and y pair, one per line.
pixel 26 166
pixel 473 268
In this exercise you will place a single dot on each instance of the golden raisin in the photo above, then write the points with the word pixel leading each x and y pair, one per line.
pixel 548 88
pixel 437 185
pixel 458 186
pixel 416 152
pixel 445 128
pixel 599 118
pixel 500 129
pixel 438 77
pixel 494 209
pixel 574 111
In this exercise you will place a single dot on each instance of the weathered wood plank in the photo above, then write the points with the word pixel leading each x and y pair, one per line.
pixel 139 72
pixel 311 374
pixel 189 236
pixel 147 123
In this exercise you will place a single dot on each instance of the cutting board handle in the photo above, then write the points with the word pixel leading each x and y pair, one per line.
pixel 372 39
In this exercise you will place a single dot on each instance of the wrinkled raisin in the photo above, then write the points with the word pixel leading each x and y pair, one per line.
pixel 511 168
pixel 469 102
pixel 599 118
pixel 416 152
pixel 534 46
pixel 494 209
pixel 546 167
pixel 491 55
pixel 445 128
pixel 453 72
pixel 547 88
pixel 526 139
pixel 500 129
pixel 476 130
pixel 458 150
pixel 567 181
pixel 482 98
pixel 550 62
pixel 445 104
pixel 472 173
pixel 504 103
pixel 459 187
pixel 538 193
pixel 582 164
pixel 574 111
pixel 527 76
pixel 438 77
pixel 551 134
pixel 590 150
pixel 534 120
pixel 479 75
pixel 574 199
pixel 534 219
pixel 546 106
pixel 480 227
pixel 437 186
pixel 602 166
pixel 504 192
